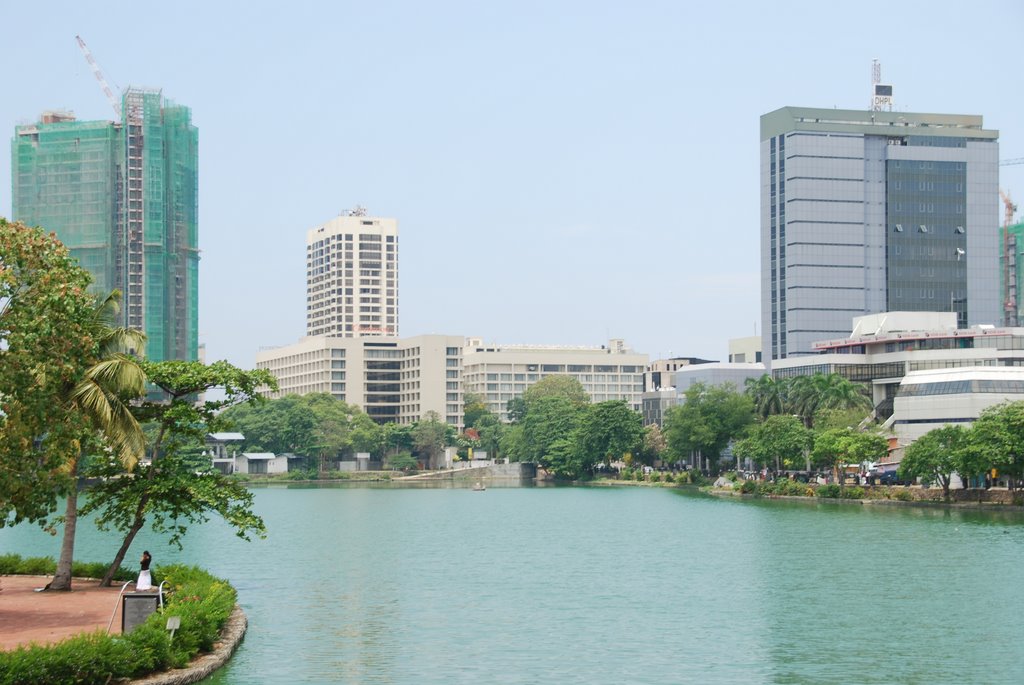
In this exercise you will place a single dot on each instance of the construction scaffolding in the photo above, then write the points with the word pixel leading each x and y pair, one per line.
pixel 123 197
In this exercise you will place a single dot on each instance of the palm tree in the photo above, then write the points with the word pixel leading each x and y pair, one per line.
pixel 101 399
pixel 811 394
pixel 768 394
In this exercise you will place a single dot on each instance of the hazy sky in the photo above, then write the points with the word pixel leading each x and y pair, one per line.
pixel 562 172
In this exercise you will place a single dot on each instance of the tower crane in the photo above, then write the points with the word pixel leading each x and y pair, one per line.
pixel 1009 261
pixel 114 102
pixel 1009 206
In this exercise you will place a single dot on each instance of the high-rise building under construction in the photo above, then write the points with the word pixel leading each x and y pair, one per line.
pixel 122 195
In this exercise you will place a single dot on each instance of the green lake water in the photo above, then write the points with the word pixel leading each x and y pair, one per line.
pixel 605 585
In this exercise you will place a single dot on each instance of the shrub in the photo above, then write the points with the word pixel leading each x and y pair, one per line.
pixel 36 566
pixel 748 487
pixel 9 564
pixel 855 492
pixel 830 491
pixel 902 495
pixel 684 478
pixel 203 602
pixel 96 569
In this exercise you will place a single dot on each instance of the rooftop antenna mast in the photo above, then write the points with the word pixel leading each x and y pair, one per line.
pixel 114 102
pixel 881 94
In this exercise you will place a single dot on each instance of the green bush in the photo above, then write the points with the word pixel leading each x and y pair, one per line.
pixel 748 487
pixel 902 495
pixel 854 492
pixel 203 602
pixel 684 478
pixel 96 569
pixel 14 564
pixel 36 566
pixel 9 564
pixel 830 491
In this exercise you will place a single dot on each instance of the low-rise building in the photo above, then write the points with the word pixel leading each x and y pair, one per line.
pixel 938 397
pixel 883 348
pixel 394 380
pixel 717 374
pixel 499 373
pixel 400 380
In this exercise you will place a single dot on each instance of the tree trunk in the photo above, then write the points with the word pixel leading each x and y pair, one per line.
pixel 62 579
pixel 140 511
pixel 137 524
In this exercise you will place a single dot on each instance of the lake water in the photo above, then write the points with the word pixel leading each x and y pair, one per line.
pixel 606 585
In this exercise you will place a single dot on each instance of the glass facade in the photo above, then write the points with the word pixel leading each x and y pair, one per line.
pixel 926 240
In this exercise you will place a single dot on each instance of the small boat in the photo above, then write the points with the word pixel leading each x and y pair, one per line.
pixel 479 487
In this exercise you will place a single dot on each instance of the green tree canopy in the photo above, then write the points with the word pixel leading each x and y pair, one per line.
pixel 768 395
pixel 607 431
pixel 474 407
pixel 46 346
pixel 838 447
pixel 430 436
pixel 167 490
pixel 807 395
pixel 997 440
pixel 781 440
pixel 557 386
pixel 706 421
pixel 936 456
pixel 550 419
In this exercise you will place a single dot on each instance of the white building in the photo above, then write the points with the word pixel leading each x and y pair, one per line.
pixel 938 397
pixel 391 379
pixel 883 348
pixel 260 463
pixel 352 277
pixel 401 379
pixel 717 374
pixel 499 373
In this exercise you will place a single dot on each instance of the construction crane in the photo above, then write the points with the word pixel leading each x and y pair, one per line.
pixel 1010 208
pixel 1009 261
pixel 114 102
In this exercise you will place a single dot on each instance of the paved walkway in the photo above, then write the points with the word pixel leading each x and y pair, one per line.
pixel 27 616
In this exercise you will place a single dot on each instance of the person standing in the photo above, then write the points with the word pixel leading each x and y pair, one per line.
pixel 145 581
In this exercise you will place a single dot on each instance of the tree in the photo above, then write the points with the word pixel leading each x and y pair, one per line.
pixel 706 421
pixel 997 439
pixel 557 386
pixel 768 395
pixel 284 425
pixel 490 429
pixel 166 490
pixel 810 394
pixel 474 407
pixel 935 456
pixel 782 440
pixel 654 444
pixel 608 431
pixel 513 443
pixel 402 461
pixel 46 346
pixel 430 436
pixel 549 419
pixel 516 409
pixel 837 447
pixel 112 380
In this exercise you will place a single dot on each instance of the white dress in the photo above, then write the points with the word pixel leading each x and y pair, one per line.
pixel 145 581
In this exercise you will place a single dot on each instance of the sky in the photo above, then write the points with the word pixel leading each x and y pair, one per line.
pixel 562 172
